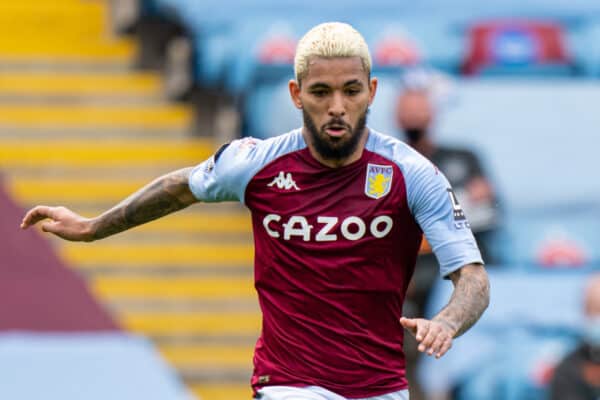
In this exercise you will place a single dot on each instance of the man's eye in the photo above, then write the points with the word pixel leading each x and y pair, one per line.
pixel 319 93
pixel 352 92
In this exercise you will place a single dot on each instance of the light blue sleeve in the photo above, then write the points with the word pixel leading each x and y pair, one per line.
pixel 432 204
pixel 222 177
pixel 225 175
pixel 438 213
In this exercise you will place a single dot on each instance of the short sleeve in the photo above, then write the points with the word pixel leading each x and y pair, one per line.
pixel 222 177
pixel 440 216
pixel 225 175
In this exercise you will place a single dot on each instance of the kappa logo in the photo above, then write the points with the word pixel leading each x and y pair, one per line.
pixel 284 181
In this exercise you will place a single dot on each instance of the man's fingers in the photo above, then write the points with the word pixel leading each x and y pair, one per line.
pixel 27 218
pixel 439 340
pixel 35 215
pixel 61 221
pixel 422 330
pixel 51 227
pixel 428 337
pixel 38 214
pixel 408 323
pixel 432 334
pixel 445 347
pixel 434 338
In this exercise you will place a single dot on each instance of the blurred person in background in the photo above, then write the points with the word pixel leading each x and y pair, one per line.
pixel 577 377
pixel 338 213
pixel 415 116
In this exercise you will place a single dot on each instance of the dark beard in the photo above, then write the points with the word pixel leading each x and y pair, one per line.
pixel 335 148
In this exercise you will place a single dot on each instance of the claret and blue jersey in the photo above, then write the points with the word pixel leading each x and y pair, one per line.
pixel 335 249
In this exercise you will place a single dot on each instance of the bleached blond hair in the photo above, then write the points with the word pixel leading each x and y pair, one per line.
pixel 330 39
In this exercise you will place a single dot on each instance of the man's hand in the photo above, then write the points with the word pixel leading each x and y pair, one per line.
pixel 470 298
pixel 434 337
pixel 63 223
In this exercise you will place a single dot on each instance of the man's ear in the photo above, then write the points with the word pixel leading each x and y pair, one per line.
pixel 294 87
pixel 372 89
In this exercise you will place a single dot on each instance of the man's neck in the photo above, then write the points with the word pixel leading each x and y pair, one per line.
pixel 336 162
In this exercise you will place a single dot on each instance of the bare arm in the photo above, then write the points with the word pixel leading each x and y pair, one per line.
pixel 469 300
pixel 163 196
pixel 166 194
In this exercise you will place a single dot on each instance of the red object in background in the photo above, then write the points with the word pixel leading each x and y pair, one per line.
pixel 545 39
pixel 561 253
pixel 277 50
pixel 396 51
pixel 37 291
pixel 543 373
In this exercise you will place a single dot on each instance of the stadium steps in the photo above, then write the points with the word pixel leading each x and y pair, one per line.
pixel 115 153
pixel 61 84
pixel 95 115
pixel 72 31
pixel 222 391
pixel 184 323
pixel 80 128
pixel 172 288
pixel 137 255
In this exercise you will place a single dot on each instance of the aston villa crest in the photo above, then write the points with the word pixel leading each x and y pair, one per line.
pixel 378 181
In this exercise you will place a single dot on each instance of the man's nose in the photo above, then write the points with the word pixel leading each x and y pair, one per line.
pixel 337 107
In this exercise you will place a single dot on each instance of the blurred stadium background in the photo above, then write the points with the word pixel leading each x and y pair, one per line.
pixel 97 98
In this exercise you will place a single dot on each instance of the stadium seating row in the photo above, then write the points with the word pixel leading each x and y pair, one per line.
pixel 241 43
pixel 532 322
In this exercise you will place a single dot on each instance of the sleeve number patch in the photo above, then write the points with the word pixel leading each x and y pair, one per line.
pixel 459 214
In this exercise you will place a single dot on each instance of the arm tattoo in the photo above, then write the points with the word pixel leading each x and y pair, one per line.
pixel 165 195
pixel 469 300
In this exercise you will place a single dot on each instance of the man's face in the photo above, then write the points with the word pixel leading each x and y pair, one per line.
pixel 414 112
pixel 334 97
